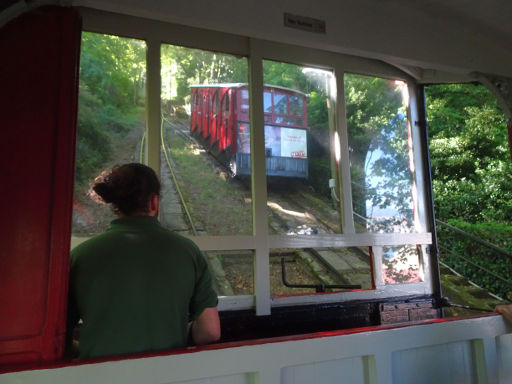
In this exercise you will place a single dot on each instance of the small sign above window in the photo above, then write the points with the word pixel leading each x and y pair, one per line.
pixel 304 23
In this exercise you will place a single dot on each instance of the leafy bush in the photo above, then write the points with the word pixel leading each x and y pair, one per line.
pixel 470 158
pixel 479 263
pixel 93 143
pixel 111 86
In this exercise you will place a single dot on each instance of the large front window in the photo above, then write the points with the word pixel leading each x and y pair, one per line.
pixel 341 211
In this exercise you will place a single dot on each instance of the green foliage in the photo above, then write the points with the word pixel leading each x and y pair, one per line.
pixel 447 106
pixel 499 234
pixel 113 68
pixel 319 173
pixel 212 199
pixel 110 98
pixel 477 262
pixel 183 67
pixel 317 112
pixel 90 138
pixel 469 154
pixel 285 75
pixel 472 181
pixel 378 144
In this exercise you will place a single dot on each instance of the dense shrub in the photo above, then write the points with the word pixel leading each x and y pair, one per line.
pixel 476 261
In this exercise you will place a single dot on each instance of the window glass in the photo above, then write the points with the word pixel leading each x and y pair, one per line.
pixel 200 195
pixel 284 120
pixel 245 100
pixel 225 106
pixel 307 271
pixel 111 120
pixel 301 198
pixel 303 186
pixel 267 102
pixel 381 162
pixel 280 103
pixel 215 103
pixel 401 264
pixel 472 183
pixel 296 106
pixel 232 272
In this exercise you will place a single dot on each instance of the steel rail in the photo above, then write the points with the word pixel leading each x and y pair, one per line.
pixel 176 184
pixel 488 271
pixel 476 239
pixel 282 223
pixel 446 303
pixel 318 287
pixel 327 265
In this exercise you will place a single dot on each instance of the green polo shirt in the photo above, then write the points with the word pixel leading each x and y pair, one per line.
pixel 136 286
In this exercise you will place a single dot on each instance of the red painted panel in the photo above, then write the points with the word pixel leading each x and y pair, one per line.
pixel 223 117
pixel 38 104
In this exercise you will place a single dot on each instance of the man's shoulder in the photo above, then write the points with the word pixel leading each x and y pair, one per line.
pixel 178 240
pixel 91 245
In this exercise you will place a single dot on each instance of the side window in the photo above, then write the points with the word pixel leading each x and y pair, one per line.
pixel 111 120
pixel 267 102
pixel 280 103
pixel 216 102
pixel 471 179
pixel 244 105
pixel 296 106
pixel 225 106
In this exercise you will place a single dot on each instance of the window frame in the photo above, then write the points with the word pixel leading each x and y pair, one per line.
pixel 156 33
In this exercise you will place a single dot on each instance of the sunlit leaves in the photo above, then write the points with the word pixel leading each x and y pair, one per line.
pixel 113 68
pixel 376 122
pixel 182 67
pixel 112 76
pixel 469 154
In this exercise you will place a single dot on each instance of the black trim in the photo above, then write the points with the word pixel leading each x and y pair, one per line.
pixel 427 169
pixel 295 320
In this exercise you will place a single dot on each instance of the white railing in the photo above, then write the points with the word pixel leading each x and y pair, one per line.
pixel 472 350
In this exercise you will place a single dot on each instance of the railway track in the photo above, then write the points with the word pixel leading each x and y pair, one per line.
pixel 233 272
pixel 349 265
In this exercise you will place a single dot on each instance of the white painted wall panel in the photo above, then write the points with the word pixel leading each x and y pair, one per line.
pixel 441 364
pixel 325 372
pixel 431 353
pixel 419 33
pixel 504 348
pixel 230 379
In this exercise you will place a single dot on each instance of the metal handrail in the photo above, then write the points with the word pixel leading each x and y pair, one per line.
pixel 490 246
pixel 488 271
pixel 476 239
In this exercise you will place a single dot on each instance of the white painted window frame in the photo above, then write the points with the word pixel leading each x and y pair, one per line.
pixel 155 33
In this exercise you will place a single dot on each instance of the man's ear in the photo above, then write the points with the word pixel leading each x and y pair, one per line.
pixel 154 204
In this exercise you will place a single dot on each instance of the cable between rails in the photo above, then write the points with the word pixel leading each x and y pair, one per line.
pixel 178 189
pixel 141 152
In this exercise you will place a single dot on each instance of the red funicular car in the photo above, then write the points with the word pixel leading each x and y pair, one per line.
pixel 220 116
